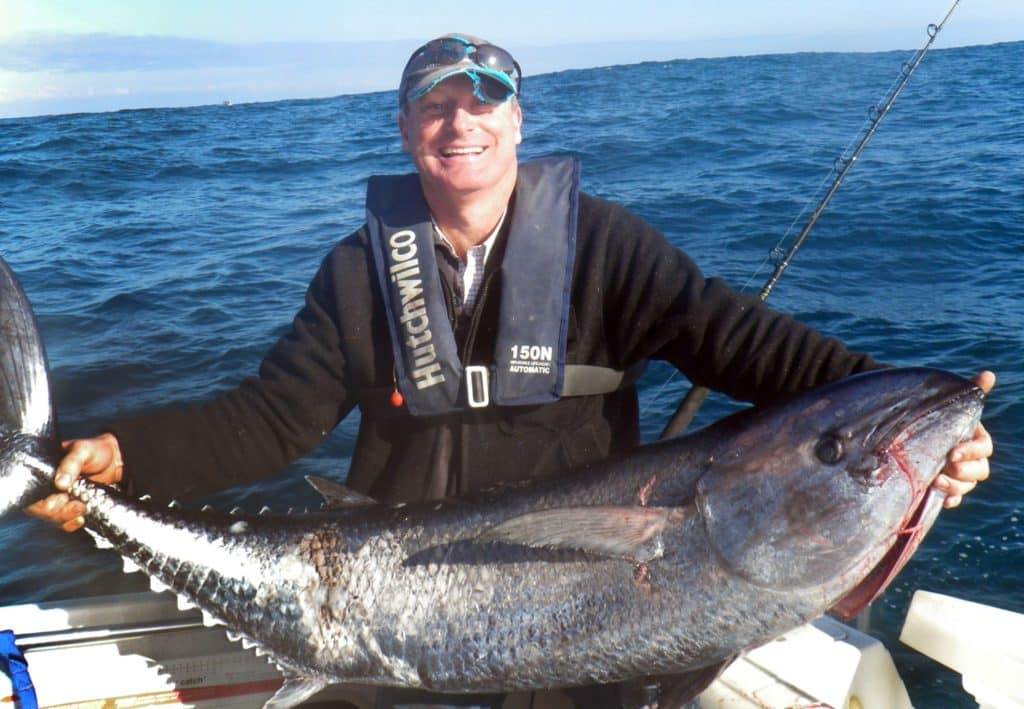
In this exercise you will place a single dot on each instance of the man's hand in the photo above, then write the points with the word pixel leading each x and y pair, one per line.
pixel 967 462
pixel 98 459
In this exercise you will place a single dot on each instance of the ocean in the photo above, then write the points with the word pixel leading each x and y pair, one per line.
pixel 165 250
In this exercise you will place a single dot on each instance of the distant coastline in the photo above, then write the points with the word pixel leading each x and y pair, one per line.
pixel 53 74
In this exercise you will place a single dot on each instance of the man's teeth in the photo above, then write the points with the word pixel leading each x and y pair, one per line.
pixel 461 151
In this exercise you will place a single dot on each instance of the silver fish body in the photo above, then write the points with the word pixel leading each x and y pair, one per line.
pixel 669 560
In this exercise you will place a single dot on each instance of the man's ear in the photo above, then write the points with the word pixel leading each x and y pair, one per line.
pixel 518 118
pixel 403 130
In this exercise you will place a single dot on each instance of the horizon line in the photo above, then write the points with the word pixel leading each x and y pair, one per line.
pixel 153 102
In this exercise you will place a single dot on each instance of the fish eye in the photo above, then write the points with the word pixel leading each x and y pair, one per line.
pixel 830 449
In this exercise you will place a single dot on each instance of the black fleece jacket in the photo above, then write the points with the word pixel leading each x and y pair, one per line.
pixel 634 297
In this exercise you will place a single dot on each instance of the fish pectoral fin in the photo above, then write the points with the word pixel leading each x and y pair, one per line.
pixel 337 495
pixel 294 691
pixel 623 532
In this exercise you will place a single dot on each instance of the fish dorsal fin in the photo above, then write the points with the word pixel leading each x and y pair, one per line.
pixel 623 532
pixel 337 495
pixel 293 692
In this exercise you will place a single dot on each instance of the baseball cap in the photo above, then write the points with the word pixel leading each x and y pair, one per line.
pixel 495 74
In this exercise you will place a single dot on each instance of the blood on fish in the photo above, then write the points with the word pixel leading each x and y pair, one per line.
pixel 645 492
pixel 642 578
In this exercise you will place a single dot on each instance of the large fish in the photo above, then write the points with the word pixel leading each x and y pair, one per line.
pixel 667 561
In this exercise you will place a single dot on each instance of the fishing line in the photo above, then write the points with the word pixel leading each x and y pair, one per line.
pixel 842 165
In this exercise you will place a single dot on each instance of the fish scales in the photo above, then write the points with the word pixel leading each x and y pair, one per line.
pixel 410 598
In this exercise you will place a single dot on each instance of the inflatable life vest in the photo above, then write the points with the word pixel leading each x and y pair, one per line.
pixel 529 366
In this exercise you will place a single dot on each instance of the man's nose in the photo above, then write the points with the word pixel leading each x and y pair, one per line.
pixel 462 119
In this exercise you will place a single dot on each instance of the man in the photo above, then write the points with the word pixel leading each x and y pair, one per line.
pixel 485 320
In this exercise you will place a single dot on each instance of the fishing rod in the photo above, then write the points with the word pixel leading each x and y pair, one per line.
pixel 689 406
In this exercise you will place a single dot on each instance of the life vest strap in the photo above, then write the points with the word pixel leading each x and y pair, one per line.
pixel 589 380
pixel 580 380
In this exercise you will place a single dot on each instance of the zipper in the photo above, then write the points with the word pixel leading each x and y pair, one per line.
pixel 449 301
pixel 474 322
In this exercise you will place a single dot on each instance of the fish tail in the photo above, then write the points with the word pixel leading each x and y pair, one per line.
pixel 29 442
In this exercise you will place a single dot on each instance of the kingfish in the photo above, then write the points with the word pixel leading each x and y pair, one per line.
pixel 669 560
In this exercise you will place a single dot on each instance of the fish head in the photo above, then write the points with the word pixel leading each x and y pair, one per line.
pixel 833 489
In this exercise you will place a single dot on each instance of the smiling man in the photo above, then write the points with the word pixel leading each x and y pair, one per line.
pixel 489 321
pixel 463 142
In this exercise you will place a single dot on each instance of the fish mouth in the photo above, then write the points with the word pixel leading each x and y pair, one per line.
pixel 902 417
pixel 908 538
pixel 966 401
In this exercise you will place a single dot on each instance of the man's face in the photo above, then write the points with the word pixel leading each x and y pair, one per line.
pixel 459 144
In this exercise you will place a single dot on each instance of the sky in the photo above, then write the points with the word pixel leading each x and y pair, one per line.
pixel 63 56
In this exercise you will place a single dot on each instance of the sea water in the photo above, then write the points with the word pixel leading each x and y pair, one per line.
pixel 165 250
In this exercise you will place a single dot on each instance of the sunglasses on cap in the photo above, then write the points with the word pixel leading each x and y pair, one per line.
pixel 425 69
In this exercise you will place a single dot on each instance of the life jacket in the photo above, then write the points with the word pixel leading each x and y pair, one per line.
pixel 536 278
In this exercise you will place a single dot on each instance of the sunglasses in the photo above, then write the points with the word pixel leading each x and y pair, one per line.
pixel 492 61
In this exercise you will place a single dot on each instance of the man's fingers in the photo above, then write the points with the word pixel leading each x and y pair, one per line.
pixel 74 524
pixel 37 509
pixel 977 450
pixel 54 504
pixel 985 381
pixel 955 489
pixel 99 458
pixel 70 467
pixel 59 508
pixel 973 471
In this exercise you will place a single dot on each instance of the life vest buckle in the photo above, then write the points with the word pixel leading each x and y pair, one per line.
pixel 478 386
